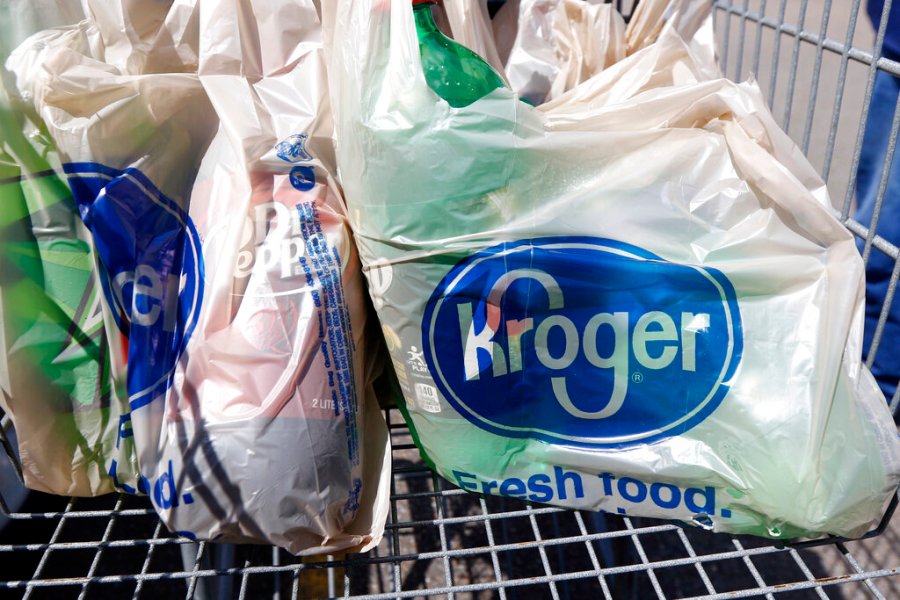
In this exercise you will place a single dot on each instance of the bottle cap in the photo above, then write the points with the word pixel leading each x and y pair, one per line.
pixel 414 2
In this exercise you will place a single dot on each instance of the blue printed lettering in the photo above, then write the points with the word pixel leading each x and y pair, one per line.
pixel 164 494
pixel 700 500
pixel 637 491
pixel 562 477
pixel 513 487
pixel 540 491
pixel 539 487
pixel 697 501
pixel 461 480
pixel 607 483
pixel 656 494
pixel 580 356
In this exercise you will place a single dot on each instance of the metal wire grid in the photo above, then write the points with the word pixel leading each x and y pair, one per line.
pixel 816 60
pixel 441 541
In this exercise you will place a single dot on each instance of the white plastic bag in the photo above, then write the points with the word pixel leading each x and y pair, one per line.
pixel 62 370
pixel 635 300
pixel 470 25
pixel 691 20
pixel 550 46
pixel 229 264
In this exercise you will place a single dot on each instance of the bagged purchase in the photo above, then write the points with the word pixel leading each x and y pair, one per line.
pixel 202 168
pixel 550 46
pixel 470 23
pixel 62 370
pixel 634 300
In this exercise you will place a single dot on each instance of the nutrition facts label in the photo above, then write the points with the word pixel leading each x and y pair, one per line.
pixel 321 265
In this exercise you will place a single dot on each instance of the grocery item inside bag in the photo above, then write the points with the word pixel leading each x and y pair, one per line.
pixel 203 169
pixel 632 298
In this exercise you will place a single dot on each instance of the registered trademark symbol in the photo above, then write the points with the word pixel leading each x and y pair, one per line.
pixel 637 377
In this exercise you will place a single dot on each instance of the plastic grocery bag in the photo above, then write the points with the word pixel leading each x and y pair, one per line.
pixel 295 341
pixel 62 369
pixel 691 20
pixel 550 46
pixel 635 300
pixel 228 261
pixel 19 19
pixel 470 25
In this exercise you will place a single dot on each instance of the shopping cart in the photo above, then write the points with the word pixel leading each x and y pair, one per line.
pixel 814 60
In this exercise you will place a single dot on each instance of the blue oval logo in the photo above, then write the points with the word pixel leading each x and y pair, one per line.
pixel 151 269
pixel 582 341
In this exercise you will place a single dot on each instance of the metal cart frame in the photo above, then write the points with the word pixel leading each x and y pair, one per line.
pixel 442 541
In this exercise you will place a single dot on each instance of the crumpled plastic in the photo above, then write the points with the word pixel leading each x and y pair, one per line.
pixel 632 299
pixel 550 46
pixel 197 140
pixel 62 365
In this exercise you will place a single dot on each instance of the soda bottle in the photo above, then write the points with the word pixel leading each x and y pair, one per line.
pixel 454 72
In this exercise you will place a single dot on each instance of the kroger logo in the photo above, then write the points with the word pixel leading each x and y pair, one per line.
pixel 151 269
pixel 293 149
pixel 582 341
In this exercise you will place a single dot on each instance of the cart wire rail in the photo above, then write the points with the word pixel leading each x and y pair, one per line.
pixel 442 541
pixel 439 541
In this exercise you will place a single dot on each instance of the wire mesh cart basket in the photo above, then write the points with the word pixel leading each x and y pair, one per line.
pixel 817 61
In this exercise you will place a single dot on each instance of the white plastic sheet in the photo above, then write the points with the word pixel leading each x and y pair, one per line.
pixel 550 46
pixel 633 299
pixel 62 369
pixel 198 142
